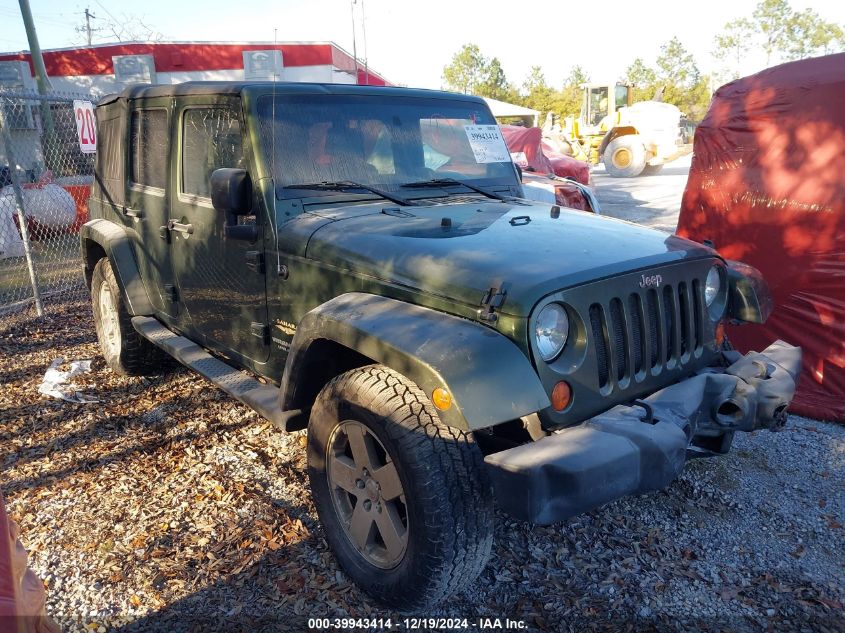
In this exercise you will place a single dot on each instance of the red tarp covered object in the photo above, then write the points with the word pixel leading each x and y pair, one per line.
pixel 767 187
pixel 539 155
pixel 528 141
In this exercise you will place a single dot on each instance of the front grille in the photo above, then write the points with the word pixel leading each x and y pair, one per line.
pixel 599 342
pixel 646 330
pixel 620 343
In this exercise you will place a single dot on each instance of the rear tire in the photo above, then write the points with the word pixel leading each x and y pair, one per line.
pixel 409 514
pixel 624 156
pixel 125 351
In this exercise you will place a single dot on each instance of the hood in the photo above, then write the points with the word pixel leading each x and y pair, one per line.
pixel 459 251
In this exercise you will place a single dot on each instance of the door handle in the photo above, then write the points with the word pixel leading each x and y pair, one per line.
pixel 132 213
pixel 173 225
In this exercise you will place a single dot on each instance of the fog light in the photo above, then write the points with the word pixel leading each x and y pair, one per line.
pixel 561 396
pixel 441 398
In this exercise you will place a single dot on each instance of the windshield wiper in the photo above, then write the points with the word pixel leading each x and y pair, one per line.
pixel 454 182
pixel 343 185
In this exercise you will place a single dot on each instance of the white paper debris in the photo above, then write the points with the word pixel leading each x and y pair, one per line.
pixel 57 383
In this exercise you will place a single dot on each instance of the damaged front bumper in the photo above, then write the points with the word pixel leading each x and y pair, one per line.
pixel 642 447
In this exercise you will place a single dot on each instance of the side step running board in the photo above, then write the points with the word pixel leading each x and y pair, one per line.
pixel 263 399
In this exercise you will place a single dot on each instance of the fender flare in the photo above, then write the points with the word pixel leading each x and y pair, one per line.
pixel 621 130
pixel 117 245
pixel 490 378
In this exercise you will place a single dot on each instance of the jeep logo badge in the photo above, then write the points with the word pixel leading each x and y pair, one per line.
pixel 648 282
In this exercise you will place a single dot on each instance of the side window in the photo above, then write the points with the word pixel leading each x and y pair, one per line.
pixel 211 139
pixel 598 105
pixel 621 96
pixel 149 148
pixel 109 166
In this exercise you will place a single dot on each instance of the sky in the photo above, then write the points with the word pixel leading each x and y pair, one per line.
pixel 410 42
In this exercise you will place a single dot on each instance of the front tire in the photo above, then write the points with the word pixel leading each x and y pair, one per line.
pixel 624 156
pixel 125 351
pixel 404 499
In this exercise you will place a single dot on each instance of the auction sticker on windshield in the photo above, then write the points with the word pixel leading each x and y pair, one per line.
pixel 487 144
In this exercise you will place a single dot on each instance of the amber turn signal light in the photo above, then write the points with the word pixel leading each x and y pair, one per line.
pixel 561 396
pixel 720 334
pixel 441 398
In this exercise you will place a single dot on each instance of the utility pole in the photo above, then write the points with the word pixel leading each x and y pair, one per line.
pixel 354 45
pixel 34 48
pixel 89 32
pixel 366 58
pixel 88 16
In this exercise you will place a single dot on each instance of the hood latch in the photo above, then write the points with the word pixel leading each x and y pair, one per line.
pixel 492 299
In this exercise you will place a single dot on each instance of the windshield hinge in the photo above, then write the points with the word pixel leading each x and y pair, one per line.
pixel 492 299
pixel 255 261
pixel 170 293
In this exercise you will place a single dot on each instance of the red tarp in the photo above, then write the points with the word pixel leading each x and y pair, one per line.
pixel 767 187
pixel 529 141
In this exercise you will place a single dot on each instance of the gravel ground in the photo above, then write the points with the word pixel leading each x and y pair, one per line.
pixel 653 201
pixel 170 507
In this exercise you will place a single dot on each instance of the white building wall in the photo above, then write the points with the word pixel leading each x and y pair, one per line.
pixel 100 85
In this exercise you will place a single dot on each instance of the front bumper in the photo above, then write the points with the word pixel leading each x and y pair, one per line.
pixel 636 448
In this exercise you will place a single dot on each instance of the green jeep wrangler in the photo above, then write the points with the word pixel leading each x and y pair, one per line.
pixel 359 261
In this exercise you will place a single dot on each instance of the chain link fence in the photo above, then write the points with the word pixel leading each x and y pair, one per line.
pixel 45 180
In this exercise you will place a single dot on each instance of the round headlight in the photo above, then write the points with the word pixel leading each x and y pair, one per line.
pixel 550 331
pixel 712 286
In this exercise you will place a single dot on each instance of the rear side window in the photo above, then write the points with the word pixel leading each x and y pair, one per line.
pixel 211 139
pixel 149 148
pixel 109 168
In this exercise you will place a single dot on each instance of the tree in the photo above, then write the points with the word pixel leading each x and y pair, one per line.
pixel 771 19
pixel 698 98
pixel 494 83
pixel 567 101
pixel 577 77
pixel 676 65
pixel 732 45
pixel 471 72
pixel 676 72
pixel 642 78
pixel 466 70
pixel 809 35
pixel 832 38
pixel 784 34
pixel 537 93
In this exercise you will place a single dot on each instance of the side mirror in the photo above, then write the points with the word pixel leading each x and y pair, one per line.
pixel 231 193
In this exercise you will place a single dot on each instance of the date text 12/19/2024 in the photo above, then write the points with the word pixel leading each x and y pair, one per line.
pixel 416 624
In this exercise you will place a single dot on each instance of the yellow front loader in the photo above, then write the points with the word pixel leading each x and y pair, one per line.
pixel 629 138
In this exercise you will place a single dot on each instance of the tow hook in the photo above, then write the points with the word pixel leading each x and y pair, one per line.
pixel 648 418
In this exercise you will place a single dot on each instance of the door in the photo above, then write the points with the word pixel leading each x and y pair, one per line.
pixel 146 206
pixel 220 280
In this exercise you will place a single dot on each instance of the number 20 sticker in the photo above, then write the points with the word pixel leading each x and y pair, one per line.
pixel 86 129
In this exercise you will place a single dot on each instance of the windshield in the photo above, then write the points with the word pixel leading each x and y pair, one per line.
pixel 377 141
